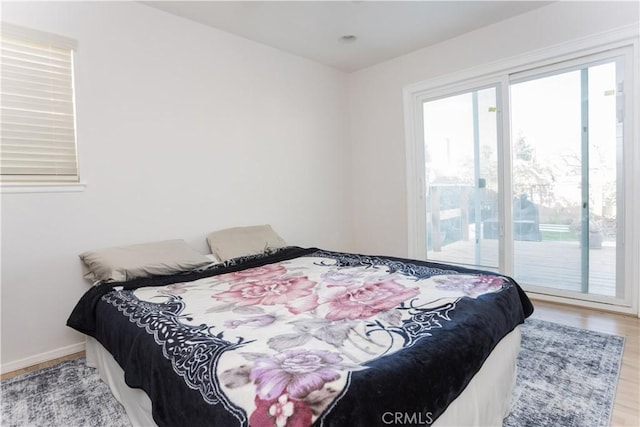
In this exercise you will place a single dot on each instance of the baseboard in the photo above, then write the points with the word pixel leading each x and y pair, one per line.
pixel 40 358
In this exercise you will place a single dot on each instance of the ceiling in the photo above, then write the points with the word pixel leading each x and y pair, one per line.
pixel 313 29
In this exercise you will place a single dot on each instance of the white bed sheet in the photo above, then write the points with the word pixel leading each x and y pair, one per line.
pixel 484 402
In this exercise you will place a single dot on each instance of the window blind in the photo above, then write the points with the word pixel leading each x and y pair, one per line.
pixel 38 138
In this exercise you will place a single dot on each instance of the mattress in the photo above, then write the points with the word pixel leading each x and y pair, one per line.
pixel 307 336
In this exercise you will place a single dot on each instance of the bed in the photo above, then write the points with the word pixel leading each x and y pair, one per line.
pixel 305 336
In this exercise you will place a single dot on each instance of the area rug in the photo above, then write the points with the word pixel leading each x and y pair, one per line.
pixel 566 377
pixel 69 394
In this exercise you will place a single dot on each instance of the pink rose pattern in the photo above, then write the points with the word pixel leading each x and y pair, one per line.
pixel 367 300
pixel 271 291
pixel 284 381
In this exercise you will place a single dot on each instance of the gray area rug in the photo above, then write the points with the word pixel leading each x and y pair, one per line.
pixel 69 394
pixel 566 377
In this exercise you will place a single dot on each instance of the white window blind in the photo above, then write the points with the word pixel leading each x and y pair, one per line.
pixel 38 138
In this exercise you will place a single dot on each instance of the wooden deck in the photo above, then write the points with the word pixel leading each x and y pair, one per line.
pixel 554 264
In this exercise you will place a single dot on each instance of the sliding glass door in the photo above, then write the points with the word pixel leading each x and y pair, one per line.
pixel 523 174
pixel 566 142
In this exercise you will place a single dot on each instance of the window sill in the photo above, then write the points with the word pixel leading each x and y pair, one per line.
pixel 42 187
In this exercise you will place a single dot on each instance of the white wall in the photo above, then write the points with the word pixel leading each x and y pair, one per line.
pixel 182 129
pixel 376 104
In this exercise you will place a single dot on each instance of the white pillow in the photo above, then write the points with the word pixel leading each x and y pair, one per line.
pixel 122 263
pixel 241 241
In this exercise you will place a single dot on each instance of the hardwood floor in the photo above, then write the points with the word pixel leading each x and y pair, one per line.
pixel 626 410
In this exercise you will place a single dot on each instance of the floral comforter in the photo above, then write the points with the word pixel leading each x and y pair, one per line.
pixel 303 336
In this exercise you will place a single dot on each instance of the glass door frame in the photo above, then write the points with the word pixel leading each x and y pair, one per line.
pixel 498 101
pixel 417 228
